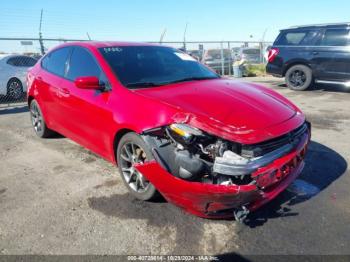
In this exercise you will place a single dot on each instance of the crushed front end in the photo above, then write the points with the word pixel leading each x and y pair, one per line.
pixel 216 178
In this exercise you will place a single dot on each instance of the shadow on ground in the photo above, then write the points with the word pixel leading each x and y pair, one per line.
pixel 14 110
pixel 323 167
pixel 316 87
pixel 230 257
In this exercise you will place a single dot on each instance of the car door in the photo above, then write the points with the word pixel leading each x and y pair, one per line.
pixel 88 116
pixel 50 90
pixel 331 56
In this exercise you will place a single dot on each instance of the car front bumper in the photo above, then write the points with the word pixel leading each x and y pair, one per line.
pixel 220 201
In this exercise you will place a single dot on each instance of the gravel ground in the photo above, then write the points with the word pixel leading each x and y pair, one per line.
pixel 58 198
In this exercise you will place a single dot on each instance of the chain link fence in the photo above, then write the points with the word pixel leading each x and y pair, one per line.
pixel 17 55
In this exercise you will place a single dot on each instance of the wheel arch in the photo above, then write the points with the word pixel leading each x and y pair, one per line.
pixel 117 137
pixel 293 63
pixel 30 99
pixel 13 78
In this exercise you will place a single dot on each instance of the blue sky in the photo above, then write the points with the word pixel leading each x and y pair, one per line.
pixel 144 20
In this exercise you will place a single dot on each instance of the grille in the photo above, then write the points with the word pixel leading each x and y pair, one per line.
pixel 263 148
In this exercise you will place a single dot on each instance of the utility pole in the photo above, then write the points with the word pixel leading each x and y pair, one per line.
pixel 185 37
pixel 41 42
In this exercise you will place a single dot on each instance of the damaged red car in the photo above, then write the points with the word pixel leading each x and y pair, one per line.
pixel 213 146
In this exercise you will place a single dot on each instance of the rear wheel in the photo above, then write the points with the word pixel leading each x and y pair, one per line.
pixel 133 150
pixel 299 77
pixel 38 122
pixel 15 89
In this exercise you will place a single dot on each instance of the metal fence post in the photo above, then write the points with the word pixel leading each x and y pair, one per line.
pixel 222 59
pixel 230 59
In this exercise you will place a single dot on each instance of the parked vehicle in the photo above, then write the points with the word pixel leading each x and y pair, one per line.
pixel 212 58
pixel 250 55
pixel 210 145
pixel 312 53
pixel 13 71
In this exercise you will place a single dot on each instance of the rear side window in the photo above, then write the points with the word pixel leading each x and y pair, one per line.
pixel 82 64
pixel 13 61
pixel 55 62
pixel 22 61
pixel 306 37
pixel 335 37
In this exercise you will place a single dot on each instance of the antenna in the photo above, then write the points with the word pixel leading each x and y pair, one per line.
pixel 87 33
pixel 41 42
pixel 162 36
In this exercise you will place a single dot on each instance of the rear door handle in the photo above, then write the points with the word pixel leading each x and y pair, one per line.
pixel 315 53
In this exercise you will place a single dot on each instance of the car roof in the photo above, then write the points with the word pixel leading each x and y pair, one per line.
pixel 102 44
pixel 313 26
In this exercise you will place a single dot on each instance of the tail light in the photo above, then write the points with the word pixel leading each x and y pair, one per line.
pixel 273 52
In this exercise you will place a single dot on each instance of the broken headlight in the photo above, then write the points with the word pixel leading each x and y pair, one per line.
pixel 183 134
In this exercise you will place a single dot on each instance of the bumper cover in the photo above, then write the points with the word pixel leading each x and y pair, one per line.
pixel 219 201
pixel 274 70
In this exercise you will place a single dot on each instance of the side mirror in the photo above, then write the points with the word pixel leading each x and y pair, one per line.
pixel 88 82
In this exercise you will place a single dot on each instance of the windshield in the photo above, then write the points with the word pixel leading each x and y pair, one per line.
pixel 147 66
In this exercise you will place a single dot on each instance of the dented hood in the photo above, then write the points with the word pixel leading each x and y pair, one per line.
pixel 225 106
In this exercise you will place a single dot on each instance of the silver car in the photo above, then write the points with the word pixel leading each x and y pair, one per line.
pixel 13 70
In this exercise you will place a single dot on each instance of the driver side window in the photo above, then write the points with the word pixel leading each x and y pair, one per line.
pixel 82 64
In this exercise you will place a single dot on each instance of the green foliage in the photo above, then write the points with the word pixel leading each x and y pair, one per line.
pixel 255 69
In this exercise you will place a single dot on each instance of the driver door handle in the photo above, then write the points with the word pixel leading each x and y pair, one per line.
pixel 64 92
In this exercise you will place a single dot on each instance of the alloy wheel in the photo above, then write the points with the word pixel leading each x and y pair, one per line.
pixel 37 120
pixel 132 154
pixel 14 90
pixel 297 78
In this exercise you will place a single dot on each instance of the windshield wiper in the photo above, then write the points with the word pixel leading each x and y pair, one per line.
pixel 152 84
pixel 191 79
pixel 141 84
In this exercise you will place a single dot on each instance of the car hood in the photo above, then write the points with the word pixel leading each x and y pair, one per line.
pixel 224 106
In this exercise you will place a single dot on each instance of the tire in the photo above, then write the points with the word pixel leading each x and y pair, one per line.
pixel 128 153
pixel 14 89
pixel 38 122
pixel 299 77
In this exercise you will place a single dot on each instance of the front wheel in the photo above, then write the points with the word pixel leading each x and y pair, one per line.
pixel 133 150
pixel 38 122
pixel 299 77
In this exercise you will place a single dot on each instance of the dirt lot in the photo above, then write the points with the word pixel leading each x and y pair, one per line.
pixel 58 198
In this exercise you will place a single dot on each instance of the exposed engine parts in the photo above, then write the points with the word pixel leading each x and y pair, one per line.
pixel 193 155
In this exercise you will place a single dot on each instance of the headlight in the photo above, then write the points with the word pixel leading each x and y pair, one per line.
pixel 183 133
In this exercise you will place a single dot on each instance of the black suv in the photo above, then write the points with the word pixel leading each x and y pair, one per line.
pixel 313 53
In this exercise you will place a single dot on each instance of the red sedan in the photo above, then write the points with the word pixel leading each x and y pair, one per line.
pixel 213 146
